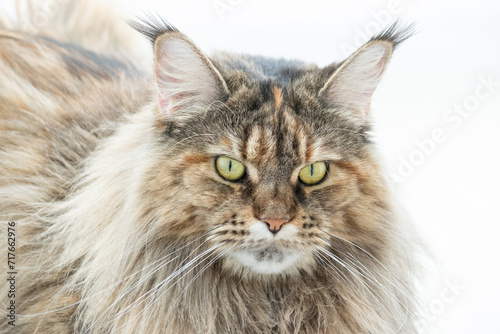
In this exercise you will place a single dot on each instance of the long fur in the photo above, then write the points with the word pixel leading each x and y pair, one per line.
pixel 122 228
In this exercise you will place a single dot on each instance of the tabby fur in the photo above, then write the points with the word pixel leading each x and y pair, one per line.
pixel 124 226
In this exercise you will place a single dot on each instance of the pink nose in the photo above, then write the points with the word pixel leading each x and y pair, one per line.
pixel 274 225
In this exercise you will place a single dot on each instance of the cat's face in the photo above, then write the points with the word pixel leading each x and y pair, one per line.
pixel 270 219
pixel 273 141
pixel 265 170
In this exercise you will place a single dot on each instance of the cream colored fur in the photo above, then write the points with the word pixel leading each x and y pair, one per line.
pixel 96 25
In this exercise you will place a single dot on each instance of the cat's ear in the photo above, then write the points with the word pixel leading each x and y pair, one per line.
pixel 186 78
pixel 352 84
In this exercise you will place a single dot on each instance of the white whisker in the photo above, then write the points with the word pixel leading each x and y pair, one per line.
pixel 174 275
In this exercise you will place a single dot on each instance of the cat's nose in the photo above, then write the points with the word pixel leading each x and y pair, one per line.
pixel 274 225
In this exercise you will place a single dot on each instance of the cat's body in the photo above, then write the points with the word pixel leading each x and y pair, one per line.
pixel 124 225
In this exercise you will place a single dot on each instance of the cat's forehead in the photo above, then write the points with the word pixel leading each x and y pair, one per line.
pixel 272 122
pixel 274 133
pixel 277 136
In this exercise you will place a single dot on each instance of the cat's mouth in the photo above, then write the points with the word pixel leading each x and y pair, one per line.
pixel 268 260
pixel 271 253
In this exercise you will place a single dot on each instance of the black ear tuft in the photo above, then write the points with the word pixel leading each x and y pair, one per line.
pixel 152 26
pixel 396 33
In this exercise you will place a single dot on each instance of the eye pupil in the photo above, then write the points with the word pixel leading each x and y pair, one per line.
pixel 229 169
pixel 313 173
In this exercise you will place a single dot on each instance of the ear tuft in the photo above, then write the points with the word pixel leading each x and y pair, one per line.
pixel 396 34
pixel 353 83
pixel 152 26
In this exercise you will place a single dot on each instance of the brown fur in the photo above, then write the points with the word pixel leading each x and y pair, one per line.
pixel 113 199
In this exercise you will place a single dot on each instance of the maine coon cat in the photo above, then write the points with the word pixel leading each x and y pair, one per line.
pixel 223 194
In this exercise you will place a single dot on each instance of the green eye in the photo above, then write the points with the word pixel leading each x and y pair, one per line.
pixel 230 169
pixel 313 173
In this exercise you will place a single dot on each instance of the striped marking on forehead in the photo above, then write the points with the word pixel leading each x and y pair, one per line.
pixel 261 144
pixel 280 133
pixel 277 94
pixel 278 97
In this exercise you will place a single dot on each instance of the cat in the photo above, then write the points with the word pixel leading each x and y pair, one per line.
pixel 222 194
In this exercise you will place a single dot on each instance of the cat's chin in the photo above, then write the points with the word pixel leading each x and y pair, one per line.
pixel 270 260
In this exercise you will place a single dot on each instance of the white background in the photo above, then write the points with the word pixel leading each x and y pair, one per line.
pixel 450 188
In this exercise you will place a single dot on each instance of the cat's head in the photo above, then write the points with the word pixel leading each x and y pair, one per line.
pixel 268 161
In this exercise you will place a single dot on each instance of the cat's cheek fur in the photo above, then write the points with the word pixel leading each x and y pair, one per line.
pixel 335 193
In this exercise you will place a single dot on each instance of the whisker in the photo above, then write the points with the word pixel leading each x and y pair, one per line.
pixel 138 300
pixel 348 282
pixel 371 290
pixel 159 286
pixel 120 281
pixel 406 303
pixel 351 131
pixel 358 264
pixel 217 257
pixel 376 260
